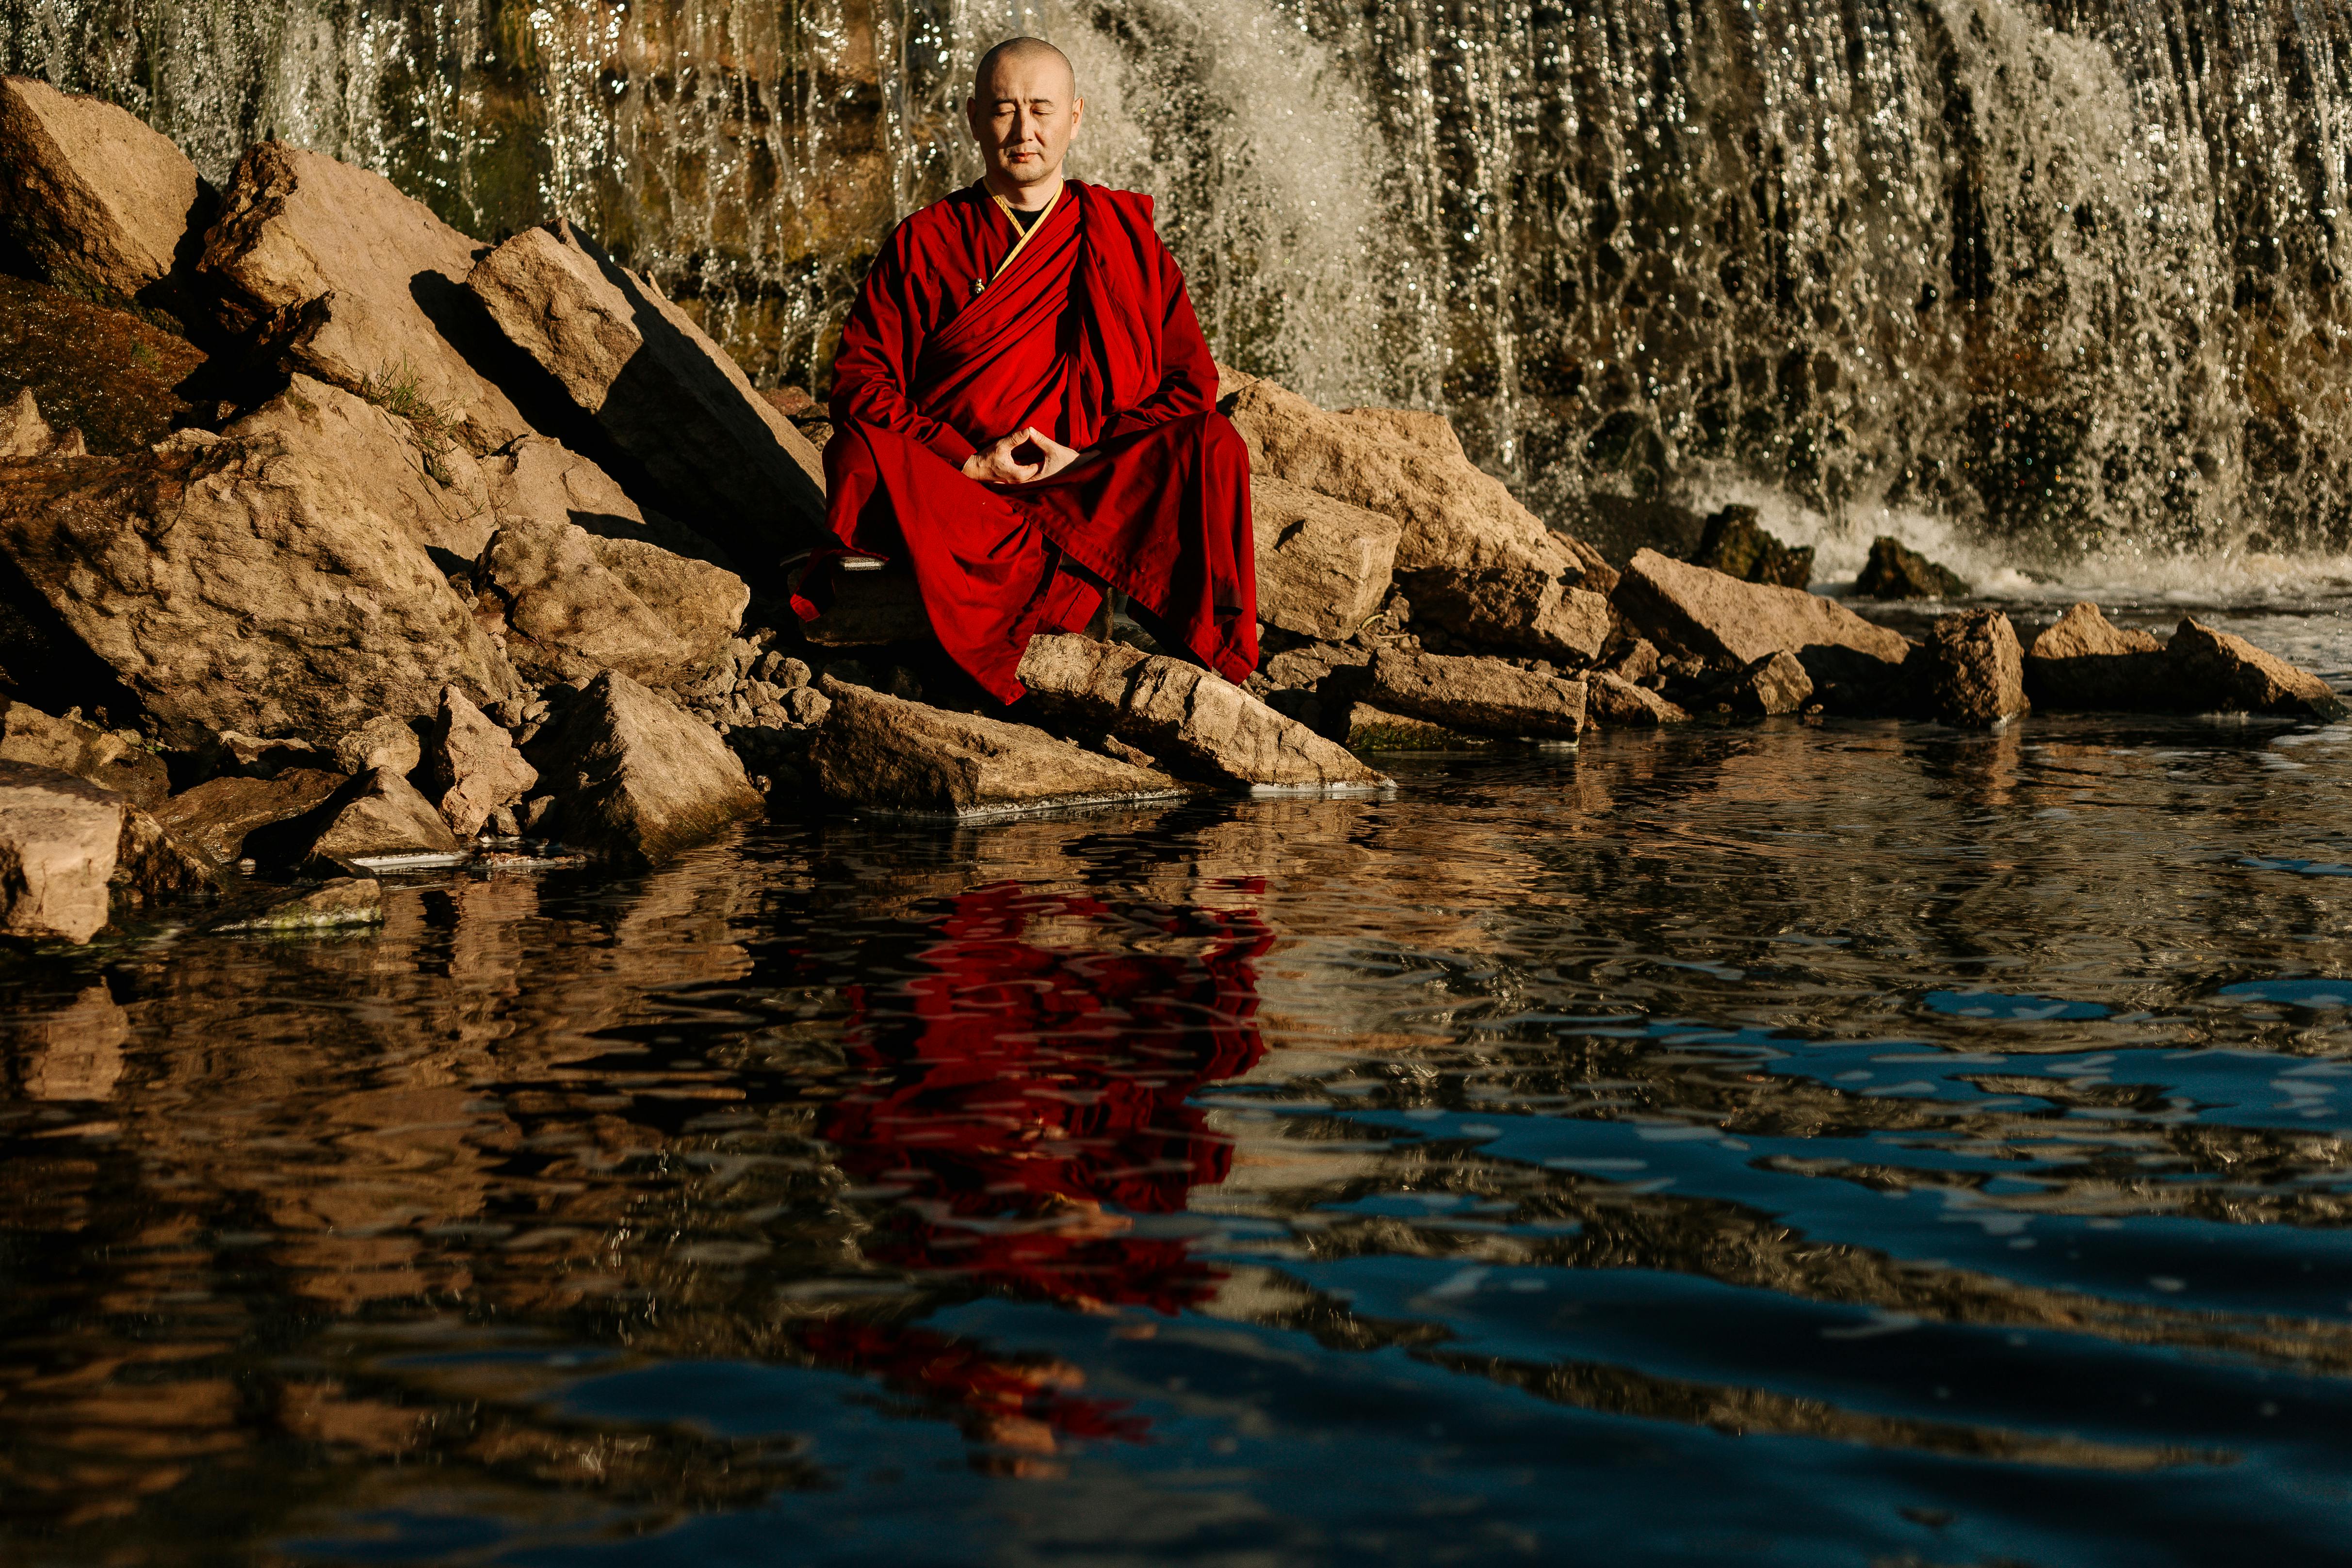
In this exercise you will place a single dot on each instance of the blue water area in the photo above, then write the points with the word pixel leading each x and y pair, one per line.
pixel 1808 1143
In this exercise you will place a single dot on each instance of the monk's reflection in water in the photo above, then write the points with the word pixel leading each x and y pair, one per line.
pixel 1028 1086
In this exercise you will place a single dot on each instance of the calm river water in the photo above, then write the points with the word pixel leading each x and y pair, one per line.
pixel 1809 1143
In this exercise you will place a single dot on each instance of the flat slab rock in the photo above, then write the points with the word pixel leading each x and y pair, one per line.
pixel 632 776
pixel 216 815
pixel 1376 729
pixel 1485 697
pixel 340 901
pixel 73 856
pixel 1192 721
pixel 888 754
pixel 1696 614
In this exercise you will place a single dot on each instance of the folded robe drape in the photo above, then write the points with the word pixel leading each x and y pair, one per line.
pixel 1087 336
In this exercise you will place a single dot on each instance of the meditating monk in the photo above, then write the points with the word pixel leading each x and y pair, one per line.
pixel 1023 408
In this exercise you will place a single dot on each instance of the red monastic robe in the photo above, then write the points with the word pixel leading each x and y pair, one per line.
pixel 1089 337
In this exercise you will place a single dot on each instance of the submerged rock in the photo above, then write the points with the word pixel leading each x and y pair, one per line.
pixel 1323 566
pixel 1735 544
pixel 1693 613
pixel 1894 571
pixel 662 390
pixel 266 582
pixel 73 856
pixel 1485 697
pixel 340 901
pixel 374 280
pixel 216 815
pixel 1372 728
pixel 1973 669
pixel 107 758
pixel 2214 671
pixel 470 765
pixel 888 754
pixel 1195 722
pixel 634 777
pixel 2086 663
pixel 98 202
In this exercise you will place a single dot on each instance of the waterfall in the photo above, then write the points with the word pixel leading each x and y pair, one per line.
pixel 2059 276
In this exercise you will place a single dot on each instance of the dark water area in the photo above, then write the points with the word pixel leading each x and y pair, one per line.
pixel 1806 1143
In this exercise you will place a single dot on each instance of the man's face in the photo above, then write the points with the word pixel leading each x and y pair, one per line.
pixel 1025 114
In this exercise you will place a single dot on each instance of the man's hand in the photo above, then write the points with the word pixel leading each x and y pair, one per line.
pixel 995 465
pixel 1000 463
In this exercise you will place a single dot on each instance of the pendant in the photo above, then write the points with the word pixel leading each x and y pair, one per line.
pixel 977 286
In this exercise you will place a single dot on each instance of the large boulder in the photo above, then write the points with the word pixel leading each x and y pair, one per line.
pixel 1974 672
pixel 2088 664
pixel 1485 697
pixel 632 776
pixel 108 758
pixel 1470 558
pixel 367 282
pixel 72 855
pixel 661 389
pixel 471 767
pixel 1191 720
pixel 1691 612
pixel 265 583
pixel 888 754
pixel 98 202
pixel 217 814
pixel 1323 566
pixel 2214 671
pixel 375 817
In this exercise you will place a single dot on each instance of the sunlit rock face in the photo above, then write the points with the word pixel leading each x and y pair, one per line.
pixel 1994 261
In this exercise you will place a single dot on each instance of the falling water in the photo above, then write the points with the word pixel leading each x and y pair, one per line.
pixel 2056 275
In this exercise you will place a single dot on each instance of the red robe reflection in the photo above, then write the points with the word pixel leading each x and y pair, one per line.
pixel 1031 1095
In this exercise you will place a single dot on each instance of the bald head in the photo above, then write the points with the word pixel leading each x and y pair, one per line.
pixel 1024 108
pixel 1014 53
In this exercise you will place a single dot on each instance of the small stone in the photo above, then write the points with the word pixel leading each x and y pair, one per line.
pixel 806 705
pixel 1766 687
pixel 635 779
pixel 1637 661
pixel 1974 670
pixel 1897 572
pixel 791 673
pixel 1615 703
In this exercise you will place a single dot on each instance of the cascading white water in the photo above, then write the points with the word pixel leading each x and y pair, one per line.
pixel 2051 274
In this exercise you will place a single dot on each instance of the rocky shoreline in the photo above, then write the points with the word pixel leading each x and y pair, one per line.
pixel 333 542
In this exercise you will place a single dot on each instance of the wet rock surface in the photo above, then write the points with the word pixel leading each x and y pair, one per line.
pixel 2216 672
pixel 338 902
pixel 888 754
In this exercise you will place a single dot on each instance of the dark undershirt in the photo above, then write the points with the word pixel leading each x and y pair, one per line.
pixel 1025 222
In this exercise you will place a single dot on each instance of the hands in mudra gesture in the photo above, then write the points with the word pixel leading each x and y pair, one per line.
pixel 1001 464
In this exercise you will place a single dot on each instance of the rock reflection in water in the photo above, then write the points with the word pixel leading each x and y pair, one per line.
pixel 1956 1121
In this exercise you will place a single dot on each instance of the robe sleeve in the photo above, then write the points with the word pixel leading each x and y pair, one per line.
pixel 1188 375
pixel 879 345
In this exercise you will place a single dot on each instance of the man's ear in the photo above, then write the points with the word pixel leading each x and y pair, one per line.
pixel 1077 113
